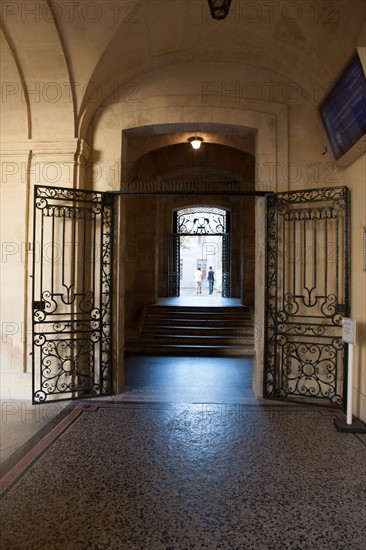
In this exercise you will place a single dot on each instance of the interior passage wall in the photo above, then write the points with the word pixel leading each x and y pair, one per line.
pixel 354 176
pixel 24 165
pixel 139 256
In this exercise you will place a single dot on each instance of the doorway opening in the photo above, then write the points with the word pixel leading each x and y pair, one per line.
pixel 202 252
pixel 200 240
pixel 306 293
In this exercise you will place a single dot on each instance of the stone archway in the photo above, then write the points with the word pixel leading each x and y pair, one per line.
pixel 268 159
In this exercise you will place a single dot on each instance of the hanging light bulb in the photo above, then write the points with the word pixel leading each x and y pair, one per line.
pixel 195 142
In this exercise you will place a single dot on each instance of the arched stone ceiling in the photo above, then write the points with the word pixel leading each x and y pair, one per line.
pixel 145 139
pixel 37 49
pixel 96 46
pixel 304 42
pixel 182 162
pixel 15 114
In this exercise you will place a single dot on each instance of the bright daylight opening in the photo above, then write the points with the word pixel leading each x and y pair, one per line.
pixel 202 252
pixel 201 230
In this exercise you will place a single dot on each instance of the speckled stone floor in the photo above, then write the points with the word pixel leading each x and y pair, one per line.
pixel 209 476
pixel 148 379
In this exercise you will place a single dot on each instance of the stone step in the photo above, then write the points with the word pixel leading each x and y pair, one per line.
pixel 195 351
pixel 213 324
pixel 194 331
pixel 188 339
pixel 198 316
pixel 217 309
pixel 234 330
pixel 200 312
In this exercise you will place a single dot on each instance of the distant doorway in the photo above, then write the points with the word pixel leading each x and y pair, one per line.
pixel 200 239
pixel 203 252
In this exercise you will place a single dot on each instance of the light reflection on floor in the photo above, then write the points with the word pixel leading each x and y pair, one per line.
pixel 200 300
pixel 188 379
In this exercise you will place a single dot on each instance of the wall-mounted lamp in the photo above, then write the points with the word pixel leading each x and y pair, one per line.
pixel 219 8
pixel 195 142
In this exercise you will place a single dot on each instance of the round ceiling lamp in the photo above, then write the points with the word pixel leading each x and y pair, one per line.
pixel 195 142
pixel 219 8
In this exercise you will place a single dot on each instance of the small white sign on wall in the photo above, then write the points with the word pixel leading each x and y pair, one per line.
pixel 349 330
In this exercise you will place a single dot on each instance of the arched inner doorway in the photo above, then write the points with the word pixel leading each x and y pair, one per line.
pixel 200 239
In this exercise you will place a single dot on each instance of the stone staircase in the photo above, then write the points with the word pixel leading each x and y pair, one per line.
pixel 195 331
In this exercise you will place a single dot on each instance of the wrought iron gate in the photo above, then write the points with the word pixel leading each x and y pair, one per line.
pixel 307 274
pixel 226 265
pixel 173 265
pixel 72 286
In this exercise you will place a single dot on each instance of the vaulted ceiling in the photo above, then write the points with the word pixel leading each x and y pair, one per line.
pixel 88 48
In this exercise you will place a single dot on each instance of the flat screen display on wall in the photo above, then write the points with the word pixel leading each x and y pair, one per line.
pixel 343 111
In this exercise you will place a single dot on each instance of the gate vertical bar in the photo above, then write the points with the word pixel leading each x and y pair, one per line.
pixel 307 295
pixel 72 299
pixel 173 265
pixel 226 265
pixel 106 293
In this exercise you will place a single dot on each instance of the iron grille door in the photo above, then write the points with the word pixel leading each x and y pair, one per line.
pixel 226 265
pixel 173 265
pixel 72 287
pixel 307 278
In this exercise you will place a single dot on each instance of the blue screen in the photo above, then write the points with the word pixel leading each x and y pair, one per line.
pixel 343 111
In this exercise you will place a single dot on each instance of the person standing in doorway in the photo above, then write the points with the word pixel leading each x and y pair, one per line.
pixel 198 280
pixel 211 280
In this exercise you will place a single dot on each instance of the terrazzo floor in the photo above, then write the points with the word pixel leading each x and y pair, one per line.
pixel 184 458
pixel 184 476
pixel 148 379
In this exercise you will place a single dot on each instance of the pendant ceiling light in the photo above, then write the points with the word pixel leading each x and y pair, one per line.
pixel 219 8
pixel 195 142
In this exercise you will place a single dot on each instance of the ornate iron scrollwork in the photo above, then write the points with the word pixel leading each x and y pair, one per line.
pixel 72 283
pixel 307 287
pixel 201 221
